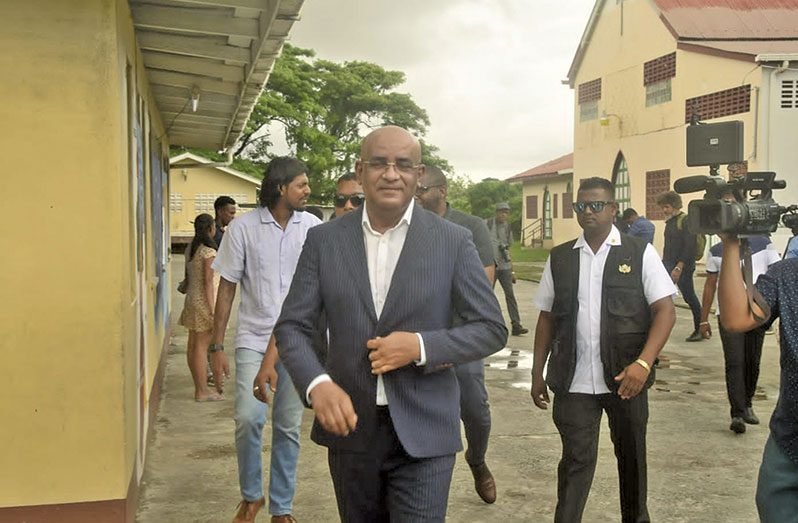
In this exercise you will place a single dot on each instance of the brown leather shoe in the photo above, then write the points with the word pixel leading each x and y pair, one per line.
pixel 484 483
pixel 247 510
pixel 285 518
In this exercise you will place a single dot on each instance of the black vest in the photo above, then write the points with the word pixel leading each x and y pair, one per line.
pixel 625 313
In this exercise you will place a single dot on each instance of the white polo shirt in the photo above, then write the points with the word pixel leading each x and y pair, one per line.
pixel 657 284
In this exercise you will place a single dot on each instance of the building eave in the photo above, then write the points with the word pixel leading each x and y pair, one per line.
pixel 219 51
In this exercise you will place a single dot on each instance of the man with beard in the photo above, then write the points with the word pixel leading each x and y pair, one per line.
pixel 260 252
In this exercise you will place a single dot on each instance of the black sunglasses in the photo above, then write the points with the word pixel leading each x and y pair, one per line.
pixel 355 199
pixel 423 189
pixel 597 206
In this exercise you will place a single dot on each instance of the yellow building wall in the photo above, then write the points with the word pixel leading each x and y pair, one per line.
pixel 194 190
pixel 650 138
pixel 561 227
pixel 69 320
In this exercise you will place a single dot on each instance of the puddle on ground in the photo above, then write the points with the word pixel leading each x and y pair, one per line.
pixel 508 358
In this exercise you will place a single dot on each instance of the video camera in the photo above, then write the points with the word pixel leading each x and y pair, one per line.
pixel 754 212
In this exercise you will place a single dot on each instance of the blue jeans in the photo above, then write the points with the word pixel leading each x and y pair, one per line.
pixel 250 418
pixel 777 488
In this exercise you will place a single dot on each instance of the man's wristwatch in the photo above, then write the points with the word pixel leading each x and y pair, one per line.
pixel 216 347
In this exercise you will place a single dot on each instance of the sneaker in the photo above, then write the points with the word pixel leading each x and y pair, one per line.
pixel 737 425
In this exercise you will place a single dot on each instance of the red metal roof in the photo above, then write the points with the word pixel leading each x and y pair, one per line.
pixel 730 19
pixel 738 29
pixel 554 167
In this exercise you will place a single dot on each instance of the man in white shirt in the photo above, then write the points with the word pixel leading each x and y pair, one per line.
pixel 260 252
pixel 741 351
pixel 604 317
pixel 390 277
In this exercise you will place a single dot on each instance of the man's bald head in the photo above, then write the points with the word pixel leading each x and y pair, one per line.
pixel 433 176
pixel 390 134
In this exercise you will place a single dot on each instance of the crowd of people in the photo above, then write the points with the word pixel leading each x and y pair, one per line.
pixel 379 321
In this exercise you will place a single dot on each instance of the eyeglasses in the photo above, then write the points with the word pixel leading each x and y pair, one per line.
pixel 381 165
pixel 354 199
pixel 597 206
pixel 424 189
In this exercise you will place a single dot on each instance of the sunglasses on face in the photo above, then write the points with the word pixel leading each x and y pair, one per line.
pixel 424 189
pixel 354 199
pixel 597 206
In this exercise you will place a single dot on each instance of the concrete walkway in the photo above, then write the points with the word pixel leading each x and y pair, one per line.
pixel 699 471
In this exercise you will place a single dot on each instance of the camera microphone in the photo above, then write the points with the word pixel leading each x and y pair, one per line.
pixel 690 184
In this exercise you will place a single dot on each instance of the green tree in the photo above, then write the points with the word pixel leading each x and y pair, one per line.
pixel 484 196
pixel 323 108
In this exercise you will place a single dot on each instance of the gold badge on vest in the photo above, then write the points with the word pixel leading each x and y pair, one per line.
pixel 624 268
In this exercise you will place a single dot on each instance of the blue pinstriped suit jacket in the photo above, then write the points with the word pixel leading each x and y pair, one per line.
pixel 438 275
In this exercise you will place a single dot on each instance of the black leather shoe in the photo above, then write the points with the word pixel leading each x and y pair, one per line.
pixel 519 330
pixel 749 417
pixel 737 425
pixel 484 483
pixel 695 336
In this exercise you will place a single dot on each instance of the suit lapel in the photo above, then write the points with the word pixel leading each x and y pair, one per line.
pixel 354 254
pixel 416 244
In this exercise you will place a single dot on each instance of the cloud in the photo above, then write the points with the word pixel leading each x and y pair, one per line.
pixel 487 72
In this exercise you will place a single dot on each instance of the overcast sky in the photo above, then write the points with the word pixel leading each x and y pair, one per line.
pixel 488 72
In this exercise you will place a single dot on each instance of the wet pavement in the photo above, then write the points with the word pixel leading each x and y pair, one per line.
pixel 699 471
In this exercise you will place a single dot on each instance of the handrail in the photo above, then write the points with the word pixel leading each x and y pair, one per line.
pixel 534 229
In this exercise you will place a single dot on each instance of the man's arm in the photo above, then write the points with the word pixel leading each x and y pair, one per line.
pixel 294 335
pixel 633 377
pixel 221 315
pixel 543 335
pixel 482 332
pixel 735 313
pixel 707 298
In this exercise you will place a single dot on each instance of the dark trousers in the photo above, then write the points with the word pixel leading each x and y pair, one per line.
pixel 742 352
pixel 578 419
pixel 474 410
pixel 687 288
pixel 384 483
pixel 505 278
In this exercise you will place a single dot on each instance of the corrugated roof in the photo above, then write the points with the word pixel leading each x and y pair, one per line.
pixel 562 165
pixel 738 29
pixel 730 19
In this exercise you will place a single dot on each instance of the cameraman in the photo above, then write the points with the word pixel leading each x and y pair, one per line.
pixel 502 238
pixel 777 488
pixel 741 351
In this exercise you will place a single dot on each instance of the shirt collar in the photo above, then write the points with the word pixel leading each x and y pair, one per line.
pixel 612 239
pixel 406 217
pixel 267 217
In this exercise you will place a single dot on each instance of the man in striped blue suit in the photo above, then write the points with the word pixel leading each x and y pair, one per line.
pixel 390 277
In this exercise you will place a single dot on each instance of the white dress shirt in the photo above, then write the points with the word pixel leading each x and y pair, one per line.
pixel 657 284
pixel 382 255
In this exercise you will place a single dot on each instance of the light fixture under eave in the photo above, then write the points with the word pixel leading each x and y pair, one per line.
pixel 604 119
pixel 195 96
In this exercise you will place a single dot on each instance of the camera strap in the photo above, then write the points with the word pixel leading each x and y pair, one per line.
pixel 752 293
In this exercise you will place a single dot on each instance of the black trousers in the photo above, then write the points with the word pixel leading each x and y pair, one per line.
pixel 505 278
pixel 474 409
pixel 742 352
pixel 578 419
pixel 385 484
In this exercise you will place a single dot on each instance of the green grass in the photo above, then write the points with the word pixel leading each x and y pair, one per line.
pixel 528 254
pixel 528 262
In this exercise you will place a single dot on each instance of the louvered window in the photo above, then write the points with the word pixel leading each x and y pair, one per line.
pixel 789 94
